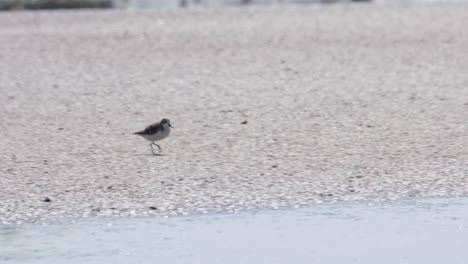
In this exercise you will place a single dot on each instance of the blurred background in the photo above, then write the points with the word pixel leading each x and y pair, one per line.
pixel 165 4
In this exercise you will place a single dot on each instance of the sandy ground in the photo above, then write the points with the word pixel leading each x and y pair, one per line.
pixel 343 102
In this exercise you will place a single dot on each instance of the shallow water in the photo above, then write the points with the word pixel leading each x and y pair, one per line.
pixel 412 231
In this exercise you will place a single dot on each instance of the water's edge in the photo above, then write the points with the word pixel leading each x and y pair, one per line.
pixel 413 231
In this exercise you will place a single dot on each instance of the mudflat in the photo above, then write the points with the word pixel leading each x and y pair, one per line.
pixel 272 107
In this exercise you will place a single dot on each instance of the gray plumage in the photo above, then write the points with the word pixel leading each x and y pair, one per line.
pixel 151 129
pixel 155 132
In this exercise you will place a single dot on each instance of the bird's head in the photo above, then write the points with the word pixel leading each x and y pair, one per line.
pixel 166 122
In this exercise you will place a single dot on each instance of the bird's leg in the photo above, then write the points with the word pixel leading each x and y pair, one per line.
pixel 152 150
pixel 157 146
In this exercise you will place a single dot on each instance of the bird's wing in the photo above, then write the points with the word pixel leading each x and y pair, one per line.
pixel 150 130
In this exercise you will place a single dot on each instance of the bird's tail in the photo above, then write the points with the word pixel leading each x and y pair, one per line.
pixel 138 133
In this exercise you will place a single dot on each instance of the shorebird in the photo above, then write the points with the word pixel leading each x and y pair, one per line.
pixel 155 132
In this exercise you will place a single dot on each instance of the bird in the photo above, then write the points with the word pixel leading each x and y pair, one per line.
pixel 156 132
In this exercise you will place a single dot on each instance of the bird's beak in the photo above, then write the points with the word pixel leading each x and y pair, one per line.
pixel 171 125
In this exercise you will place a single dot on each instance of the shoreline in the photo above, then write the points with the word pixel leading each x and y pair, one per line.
pixel 351 229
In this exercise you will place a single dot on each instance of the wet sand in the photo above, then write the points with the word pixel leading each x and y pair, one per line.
pixel 342 102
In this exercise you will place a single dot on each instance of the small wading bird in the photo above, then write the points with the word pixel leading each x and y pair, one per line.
pixel 155 132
